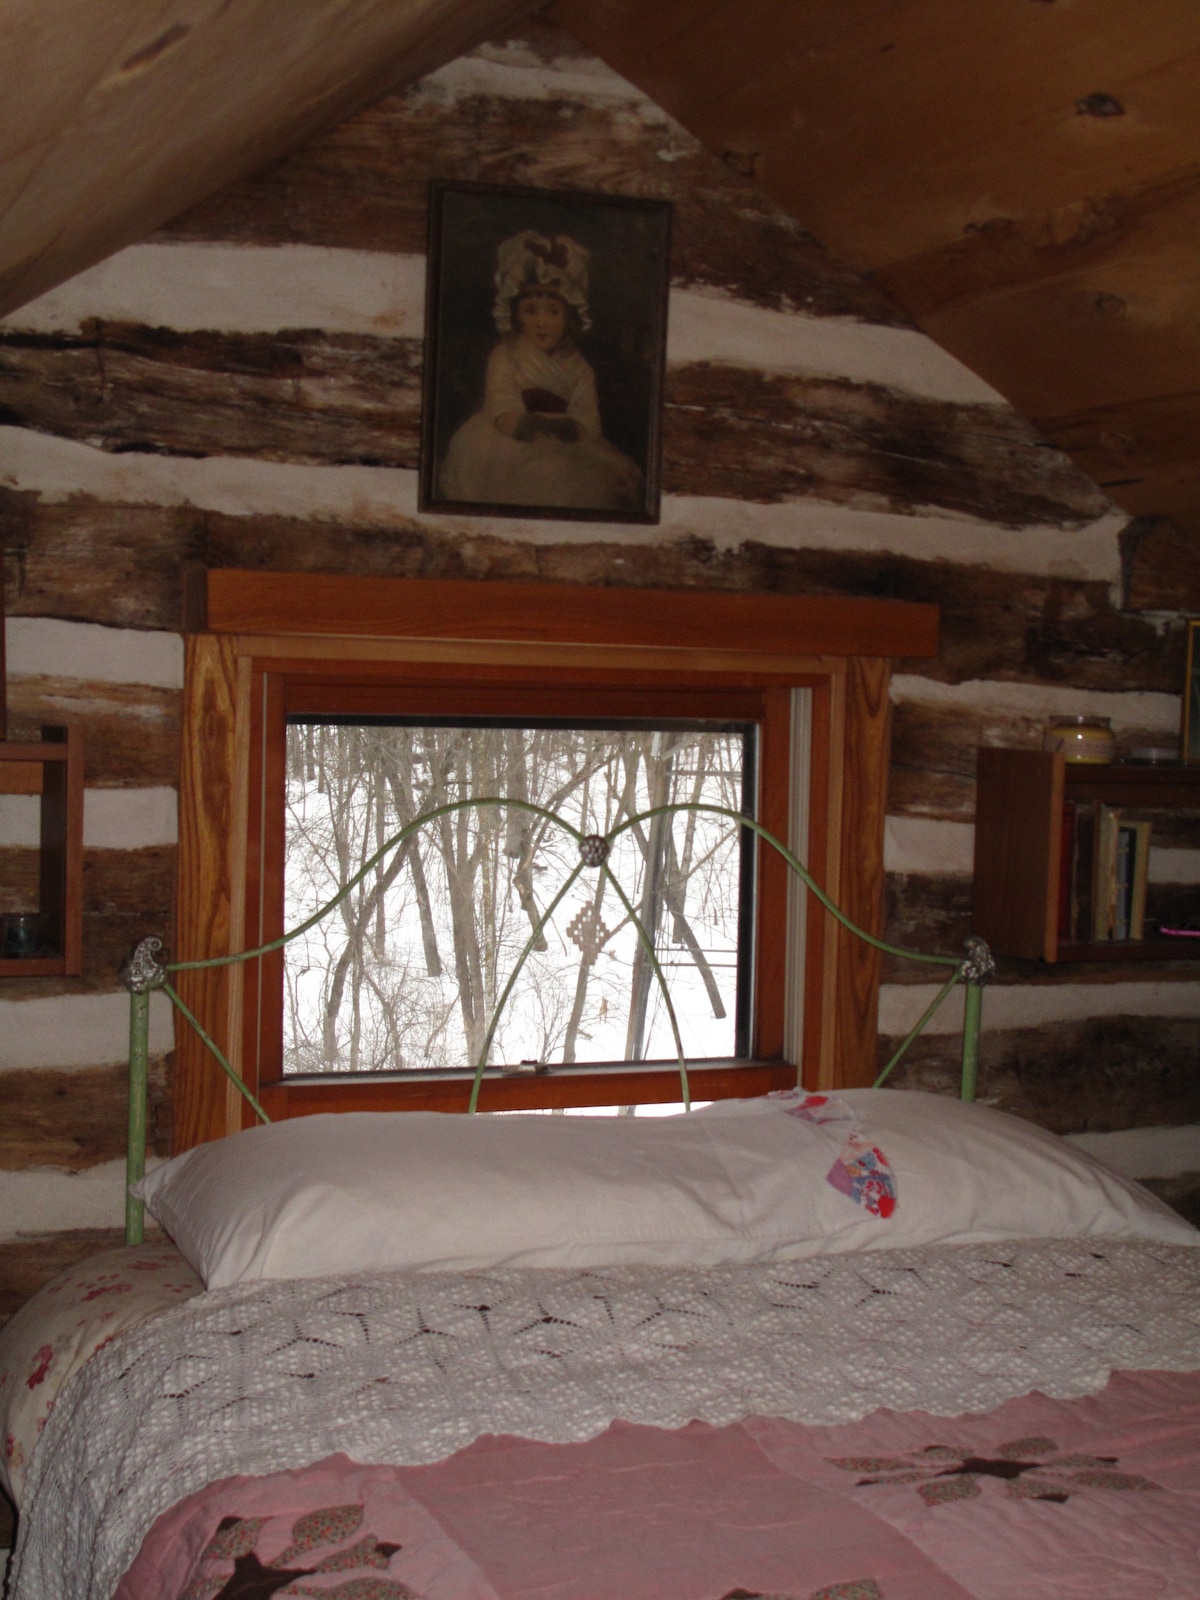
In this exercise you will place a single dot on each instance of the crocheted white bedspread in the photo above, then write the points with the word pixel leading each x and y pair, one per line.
pixel 409 1368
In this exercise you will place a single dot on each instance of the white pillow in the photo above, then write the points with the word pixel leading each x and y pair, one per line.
pixel 342 1193
pixel 968 1174
pixel 741 1181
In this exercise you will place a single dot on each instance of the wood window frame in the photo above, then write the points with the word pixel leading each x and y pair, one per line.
pixel 261 643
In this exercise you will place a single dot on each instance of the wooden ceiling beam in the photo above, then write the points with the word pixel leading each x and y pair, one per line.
pixel 1079 342
pixel 1157 433
pixel 892 128
pixel 1170 490
pixel 1022 178
pixel 888 149
pixel 118 114
pixel 625 32
pixel 1089 235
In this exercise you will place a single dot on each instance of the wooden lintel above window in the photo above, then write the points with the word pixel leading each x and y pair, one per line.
pixel 304 604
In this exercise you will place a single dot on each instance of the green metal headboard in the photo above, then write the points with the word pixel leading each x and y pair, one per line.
pixel 143 972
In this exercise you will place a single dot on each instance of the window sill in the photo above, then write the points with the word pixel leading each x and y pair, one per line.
pixel 521 1091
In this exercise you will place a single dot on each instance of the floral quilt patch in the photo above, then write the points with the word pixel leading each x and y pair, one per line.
pixel 234 1570
pixel 1030 1469
pixel 65 1323
pixel 861 1172
pixel 863 1589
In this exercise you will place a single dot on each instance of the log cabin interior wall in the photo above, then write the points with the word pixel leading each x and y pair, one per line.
pixel 242 390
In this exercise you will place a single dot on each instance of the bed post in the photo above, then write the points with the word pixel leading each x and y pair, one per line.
pixel 976 970
pixel 135 1146
pixel 140 973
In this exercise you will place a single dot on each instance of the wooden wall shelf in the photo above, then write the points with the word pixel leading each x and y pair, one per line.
pixel 1018 847
pixel 51 768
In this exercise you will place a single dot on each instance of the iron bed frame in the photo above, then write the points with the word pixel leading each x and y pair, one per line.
pixel 142 973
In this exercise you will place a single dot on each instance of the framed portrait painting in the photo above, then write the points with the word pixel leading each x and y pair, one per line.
pixel 545 343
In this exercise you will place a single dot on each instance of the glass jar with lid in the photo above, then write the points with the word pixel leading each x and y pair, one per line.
pixel 20 937
pixel 1081 738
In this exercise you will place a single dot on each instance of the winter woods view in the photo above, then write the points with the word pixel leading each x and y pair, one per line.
pixel 408 972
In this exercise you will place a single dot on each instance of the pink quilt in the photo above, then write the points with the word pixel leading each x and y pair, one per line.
pixel 1089 1499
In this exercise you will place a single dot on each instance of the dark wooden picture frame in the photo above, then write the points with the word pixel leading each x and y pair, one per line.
pixel 1190 732
pixel 514 423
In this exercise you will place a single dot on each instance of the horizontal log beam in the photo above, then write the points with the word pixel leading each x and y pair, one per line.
pixel 303 396
pixel 932 913
pixel 365 186
pixel 348 399
pixel 1181 1193
pixel 27 1263
pixel 1018 627
pixel 77 1119
pixel 1074 1077
pixel 738 434
pixel 103 561
pixel 924 912
pixel 933 759
pixel 131 730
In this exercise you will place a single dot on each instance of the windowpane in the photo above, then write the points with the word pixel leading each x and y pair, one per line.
pixel 407 974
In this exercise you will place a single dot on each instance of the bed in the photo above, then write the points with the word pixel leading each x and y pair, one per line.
pixel 876 1345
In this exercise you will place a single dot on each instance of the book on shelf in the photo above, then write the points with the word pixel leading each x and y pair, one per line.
pixel 1102 887
pixel 1102 874
pixel 1139 862
pixel 1122 897
pixel 1082 844
pixel 1066 870
pixel 1105 869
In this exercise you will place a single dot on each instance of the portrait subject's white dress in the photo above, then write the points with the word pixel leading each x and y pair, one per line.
pixel 588 473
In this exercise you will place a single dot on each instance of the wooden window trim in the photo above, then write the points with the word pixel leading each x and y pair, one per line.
pixel 254 633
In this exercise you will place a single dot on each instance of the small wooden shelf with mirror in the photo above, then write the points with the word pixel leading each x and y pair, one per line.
pixel 1019 888
pixel 43 937
pixel 41 905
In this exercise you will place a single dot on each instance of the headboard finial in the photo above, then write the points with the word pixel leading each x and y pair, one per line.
pixel 141 970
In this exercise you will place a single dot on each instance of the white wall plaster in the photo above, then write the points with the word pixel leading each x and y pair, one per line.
pixel 925 844
pixel 920 844
pixel 113 819
pixel 711 325
pixel 1158 713
pixel 46 1200
pixel 130 819
pixel 237 288
pixel 1030 1005
pixel 1145 1152
pixel 58 469
pixel 515 72
pixel 1174 866
pixel 70 1031
pixel 47 647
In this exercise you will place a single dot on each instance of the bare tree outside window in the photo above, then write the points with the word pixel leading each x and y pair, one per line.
pixel 408 973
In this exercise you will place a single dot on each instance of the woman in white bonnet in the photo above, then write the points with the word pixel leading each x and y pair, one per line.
pixel 537 440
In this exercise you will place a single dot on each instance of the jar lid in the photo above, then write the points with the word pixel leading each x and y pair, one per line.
pixel 1155 755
